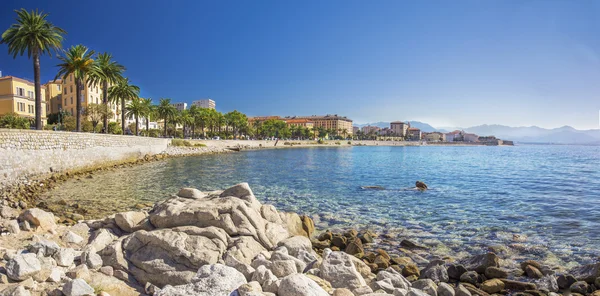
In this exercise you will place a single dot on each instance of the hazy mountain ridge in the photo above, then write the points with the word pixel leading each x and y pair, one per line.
pixel 528 134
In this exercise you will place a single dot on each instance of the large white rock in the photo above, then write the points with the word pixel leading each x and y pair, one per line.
pixel 338 268
pixel 266 278
pixel 397 280
pixel 131 221
pixel 23 266
pixel 72 238
pixel 295 244
pixel 39 218
pixel 211 280
pixel 102 238
pixel 77 287
pixel 45 247
pixel 300 285
pixel 64 257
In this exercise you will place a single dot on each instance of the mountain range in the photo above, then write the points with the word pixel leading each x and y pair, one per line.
pixel 523 134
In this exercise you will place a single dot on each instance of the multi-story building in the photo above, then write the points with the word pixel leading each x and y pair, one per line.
pixel 370 129
pixel 180 106
pixel 255 119
pixel 53 96
pixel 90 94
pixel 414 134
pixel 455 136
pixel 341 124
pixel 17 95
pixel 205 103
pixel 470 137
pixel 399 128
pixel 300 122
pixel 434 137
pixel 355 129
pixel 385 132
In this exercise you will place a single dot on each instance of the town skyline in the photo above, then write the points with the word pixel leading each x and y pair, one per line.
pixel 515 64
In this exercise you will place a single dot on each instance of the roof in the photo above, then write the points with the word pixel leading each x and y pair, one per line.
pixel 298 120
pixel 16 78
pixel 397 122
pixel 414 129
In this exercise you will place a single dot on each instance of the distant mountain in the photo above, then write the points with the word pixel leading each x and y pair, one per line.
pixel 523 134
pixel 420 125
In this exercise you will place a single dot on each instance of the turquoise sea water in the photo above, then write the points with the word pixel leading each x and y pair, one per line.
pixel 539 202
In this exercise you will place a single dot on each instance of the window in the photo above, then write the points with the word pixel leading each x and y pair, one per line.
pixel 71 78
pixel 71 111
pixel 58 87
pixel 65 101
pixel 20 92
pixel 65 91
pixel 71 89
pixel 30 94
pixel 71 100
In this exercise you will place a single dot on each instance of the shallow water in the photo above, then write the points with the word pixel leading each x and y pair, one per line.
pixel 541 202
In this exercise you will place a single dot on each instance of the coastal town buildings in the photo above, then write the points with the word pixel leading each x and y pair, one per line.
pixel 300 122
pixel 17 96
pixel 413 134
pixel 53 96
pixel 355 129
pixel 370 129
pixel 342 124
pixel 205 103
pixel 399 128
pixel 90 94
pixel 470 137
pixel 434 137
pixel 180 106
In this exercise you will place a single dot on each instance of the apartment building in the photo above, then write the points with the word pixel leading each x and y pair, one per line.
pixel 17 95
pixel 180 106
pixel 355 129
pixel 300 122
pixel 399 128
pixel 370 129
pixel 205 103
pixel 53 96
pixel 90 94
pixel 414 134
pixel 331 121
pixel 434 137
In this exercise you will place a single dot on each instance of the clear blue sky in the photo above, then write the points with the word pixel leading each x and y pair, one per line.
pixel 447 63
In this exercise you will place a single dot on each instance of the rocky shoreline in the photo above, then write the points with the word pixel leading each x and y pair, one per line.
pixel 228 243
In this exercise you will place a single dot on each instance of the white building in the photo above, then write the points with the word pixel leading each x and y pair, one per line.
pixel 206 103
pixel 180 106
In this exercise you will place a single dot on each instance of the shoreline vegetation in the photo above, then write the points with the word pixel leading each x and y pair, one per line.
pixel 226 241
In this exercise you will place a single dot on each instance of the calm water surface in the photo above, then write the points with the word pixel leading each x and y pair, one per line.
pixel 540 201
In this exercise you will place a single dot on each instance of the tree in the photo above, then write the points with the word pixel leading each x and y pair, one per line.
pixel 195 114
pixel 123 91
pixel 77 62
pixel 34 34
pixel 105 71
pixel 13 120
pixel 97 112
pixel 236 120
pixel 149 111
pixel 136 109
pixel 166 111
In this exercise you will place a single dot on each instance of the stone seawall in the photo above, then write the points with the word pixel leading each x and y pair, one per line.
pixel 26 153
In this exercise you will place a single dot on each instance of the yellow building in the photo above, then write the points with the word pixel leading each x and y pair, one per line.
pixel 53 96
pixel 18 95
pixel 300 122
pixel 91 94
pixel 341 124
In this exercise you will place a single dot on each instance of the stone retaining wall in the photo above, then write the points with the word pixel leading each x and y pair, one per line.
pixel 25 153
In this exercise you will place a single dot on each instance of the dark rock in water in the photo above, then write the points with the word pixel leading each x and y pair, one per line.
pixel 470 277
pixel 587 273
pixel 308 225
pixel 533 272
pixel 533 263
pixel 327 235
pixel 317 244
pixel 421 185
pixel 354 246
pixel 581 287
pixel 456 270
pixel 411 269
pixel 339 241
pixel 351 233
pixel 366 237
pixel 411 245
pixel 373 187
pixel 435 273
pixel 495 273
pixel 480 262
pixel 565 281
pixel 518 286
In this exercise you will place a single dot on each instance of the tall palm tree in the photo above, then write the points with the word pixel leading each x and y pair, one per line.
pixel 105 72
pixel 34 34
pixel 148 110
pixel 77 62
pixel 123 91
pixel 195 113
pixel 186 119
pixel 135 109
pixel 166 111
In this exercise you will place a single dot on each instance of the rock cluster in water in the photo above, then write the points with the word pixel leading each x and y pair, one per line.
pixel 228 243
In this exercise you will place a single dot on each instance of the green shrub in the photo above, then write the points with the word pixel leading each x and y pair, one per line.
pixel 320 141
pixel 181 142
pixel 338 143
pixel 349 143
pixel 199 145
pixel 12 120
pixel 114 128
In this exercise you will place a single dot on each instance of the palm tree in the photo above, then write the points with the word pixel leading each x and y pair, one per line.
pixel 195 113
pixel 105 71
pixel 77 62
pixel 34 34
pixel 123 91
pixel 166 111
pixel 186 119
pixel 148 110
pixel 136 108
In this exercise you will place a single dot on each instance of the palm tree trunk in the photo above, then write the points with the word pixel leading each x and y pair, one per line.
pixel 38 91
pixel 122 116
pixel 136 125
pixel 105 102
pixel 78 105
pixel 165 127
pixel 193 130
pixel 148 125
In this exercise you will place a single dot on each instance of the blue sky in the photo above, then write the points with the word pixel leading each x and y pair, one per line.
pixel 447 63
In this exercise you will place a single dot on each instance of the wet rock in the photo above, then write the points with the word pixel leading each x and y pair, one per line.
pixel 77 287
pixel 460 290
pixel 410 269
pixel 455 271
pixel 421 185
pixel 565 281
pixel 39 218
pixel 300 285
pixel 471 277
pixel 411 245
pixel 367 237
pixel 518 286
pixel 547 283
pixel 587 273
pixel 23 266
pixel 533 272
pixel 474 290
pixel 327 235
pixel 317 244
pixel 479 263
pixel 308 225
pixel 495 273
pixel 215 279
pixel 492 286
pixel 339 241
pixel 339 270
pixel 581 287
pixel 355 247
